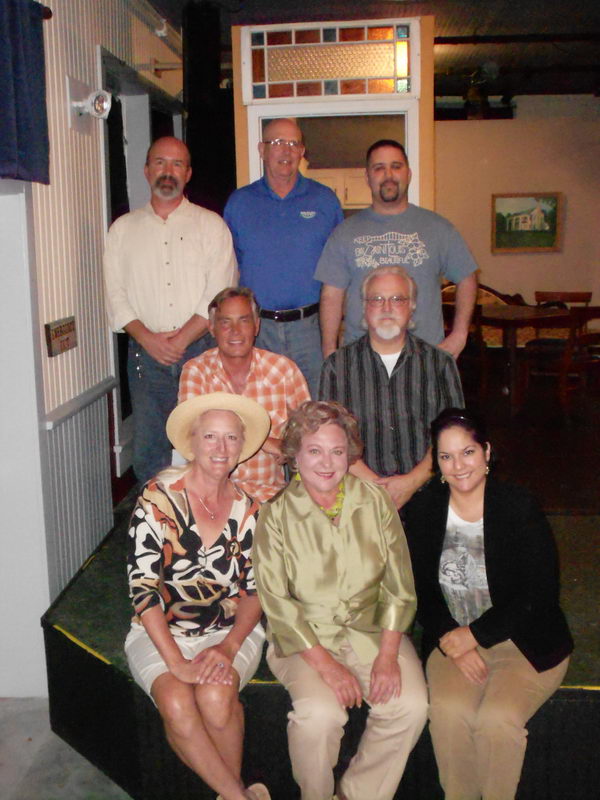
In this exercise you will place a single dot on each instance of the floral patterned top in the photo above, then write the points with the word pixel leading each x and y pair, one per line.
pixel 167 564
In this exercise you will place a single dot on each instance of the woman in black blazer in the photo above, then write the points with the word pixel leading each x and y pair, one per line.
pixel 495 641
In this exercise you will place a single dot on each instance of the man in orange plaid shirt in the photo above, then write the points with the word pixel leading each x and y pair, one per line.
pixel 236 366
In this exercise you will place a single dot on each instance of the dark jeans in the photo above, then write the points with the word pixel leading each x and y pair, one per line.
pixel 300 341
pixel 153 388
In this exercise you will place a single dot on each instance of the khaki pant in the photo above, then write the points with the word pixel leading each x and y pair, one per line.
pixel 478 732
pixel 317 720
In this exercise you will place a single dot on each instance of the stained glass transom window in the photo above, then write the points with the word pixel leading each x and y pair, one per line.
pixel 333 60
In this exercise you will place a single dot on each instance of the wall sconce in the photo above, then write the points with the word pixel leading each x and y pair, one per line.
pixel 83 105
pixel 97 104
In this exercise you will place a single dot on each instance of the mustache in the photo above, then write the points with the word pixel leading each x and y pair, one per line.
pixel 166 179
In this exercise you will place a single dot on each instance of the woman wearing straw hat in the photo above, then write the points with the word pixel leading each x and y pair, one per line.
pixel 196 638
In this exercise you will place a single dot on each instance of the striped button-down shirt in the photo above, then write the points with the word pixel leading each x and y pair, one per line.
pixel 276 383
pixel 394 412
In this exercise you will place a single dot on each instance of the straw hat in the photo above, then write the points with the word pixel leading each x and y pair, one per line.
pixel 253 416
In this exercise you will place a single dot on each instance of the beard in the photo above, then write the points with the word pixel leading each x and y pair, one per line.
pixel 166 187
pixel 390 331
pixel 389 191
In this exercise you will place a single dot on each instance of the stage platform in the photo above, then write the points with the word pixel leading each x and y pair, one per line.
pixel 97 708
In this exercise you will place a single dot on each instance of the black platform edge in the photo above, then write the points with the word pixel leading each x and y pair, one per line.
pixel 99 710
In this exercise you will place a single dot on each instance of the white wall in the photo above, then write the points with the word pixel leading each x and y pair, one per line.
pixel 53 417
pixel 552 145
pixel 23 570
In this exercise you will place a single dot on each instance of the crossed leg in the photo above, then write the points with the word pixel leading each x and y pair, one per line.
pixel 205 727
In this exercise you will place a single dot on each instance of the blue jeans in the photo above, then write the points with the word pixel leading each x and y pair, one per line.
pixel 153 388
pixel 299 340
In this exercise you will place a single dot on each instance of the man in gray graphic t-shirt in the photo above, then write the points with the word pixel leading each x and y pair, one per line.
pixel 393 231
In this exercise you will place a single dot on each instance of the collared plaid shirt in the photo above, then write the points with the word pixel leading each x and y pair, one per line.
pixel 276 383
pixel 394 413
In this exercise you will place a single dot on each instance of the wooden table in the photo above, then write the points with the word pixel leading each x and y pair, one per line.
pixel 509 318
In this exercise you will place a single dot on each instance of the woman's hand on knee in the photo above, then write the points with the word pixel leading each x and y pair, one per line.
pixel 214 665
pixel 203 672
pixel 386 679
pixel 344 684
pixel 457 642
pixel 339 679
pixel 186 672
pixel 472 667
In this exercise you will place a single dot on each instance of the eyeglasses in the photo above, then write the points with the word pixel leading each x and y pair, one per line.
pixel 394 300
pixel 293 143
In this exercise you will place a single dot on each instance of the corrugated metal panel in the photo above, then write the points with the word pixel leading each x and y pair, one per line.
pixel 79 480
pixel 69 213
pixel 69 230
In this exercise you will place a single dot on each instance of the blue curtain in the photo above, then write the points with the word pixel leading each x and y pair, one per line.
pixel 24 149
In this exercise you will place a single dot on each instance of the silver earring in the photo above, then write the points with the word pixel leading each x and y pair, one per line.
pixel 487 469
pixel 442 479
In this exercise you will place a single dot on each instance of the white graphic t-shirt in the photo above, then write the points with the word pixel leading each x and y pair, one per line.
pixel 462 574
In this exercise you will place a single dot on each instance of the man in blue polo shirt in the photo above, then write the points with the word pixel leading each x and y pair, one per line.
pixel 280 224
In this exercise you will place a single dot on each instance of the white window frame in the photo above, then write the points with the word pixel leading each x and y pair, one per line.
pixel 397 104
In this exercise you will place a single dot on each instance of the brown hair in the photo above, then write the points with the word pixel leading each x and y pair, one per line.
pixel 311 416
pixel 232 291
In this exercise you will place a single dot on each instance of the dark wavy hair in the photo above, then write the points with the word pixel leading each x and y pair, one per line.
pixel 461 418
pixel 312 415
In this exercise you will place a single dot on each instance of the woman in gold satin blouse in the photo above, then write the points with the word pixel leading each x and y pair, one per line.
pixel 334 578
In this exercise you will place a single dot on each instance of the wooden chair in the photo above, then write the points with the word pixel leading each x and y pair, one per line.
pixel 544 354
pixel 486 295
pixel 562 300
pixel 582 354
pixel 569 298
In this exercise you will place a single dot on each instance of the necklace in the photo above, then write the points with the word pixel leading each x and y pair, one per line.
pixel 333 511
pixel 336 508
pixel 205 507
pixel 210 513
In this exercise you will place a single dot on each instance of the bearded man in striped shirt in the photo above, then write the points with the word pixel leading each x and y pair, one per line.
pixel 394 383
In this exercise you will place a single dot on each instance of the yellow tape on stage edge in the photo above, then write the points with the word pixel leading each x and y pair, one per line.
pixel 81 644
pixel 591 688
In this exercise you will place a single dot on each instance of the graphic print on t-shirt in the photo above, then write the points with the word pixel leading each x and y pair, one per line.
pixel 390 248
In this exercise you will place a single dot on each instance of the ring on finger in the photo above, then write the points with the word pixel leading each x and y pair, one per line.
pixel 220 665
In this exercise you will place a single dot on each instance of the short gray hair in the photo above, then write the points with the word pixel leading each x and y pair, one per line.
pixel 390 270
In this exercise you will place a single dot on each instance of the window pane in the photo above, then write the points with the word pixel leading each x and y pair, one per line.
pixel 380 33
pixel 281 90
pixel 258 66
pixel 308 37
pixel 279 37
pixel 351 34
pixel 306 89
pixel 381 85
pixel 332 61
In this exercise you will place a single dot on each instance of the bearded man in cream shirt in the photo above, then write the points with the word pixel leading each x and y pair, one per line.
pixel 163 264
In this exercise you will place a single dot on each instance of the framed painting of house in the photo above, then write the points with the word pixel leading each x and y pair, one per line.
pixel 526 222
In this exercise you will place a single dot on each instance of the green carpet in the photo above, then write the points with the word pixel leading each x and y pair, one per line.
pixel 95 608
pixel 578 540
